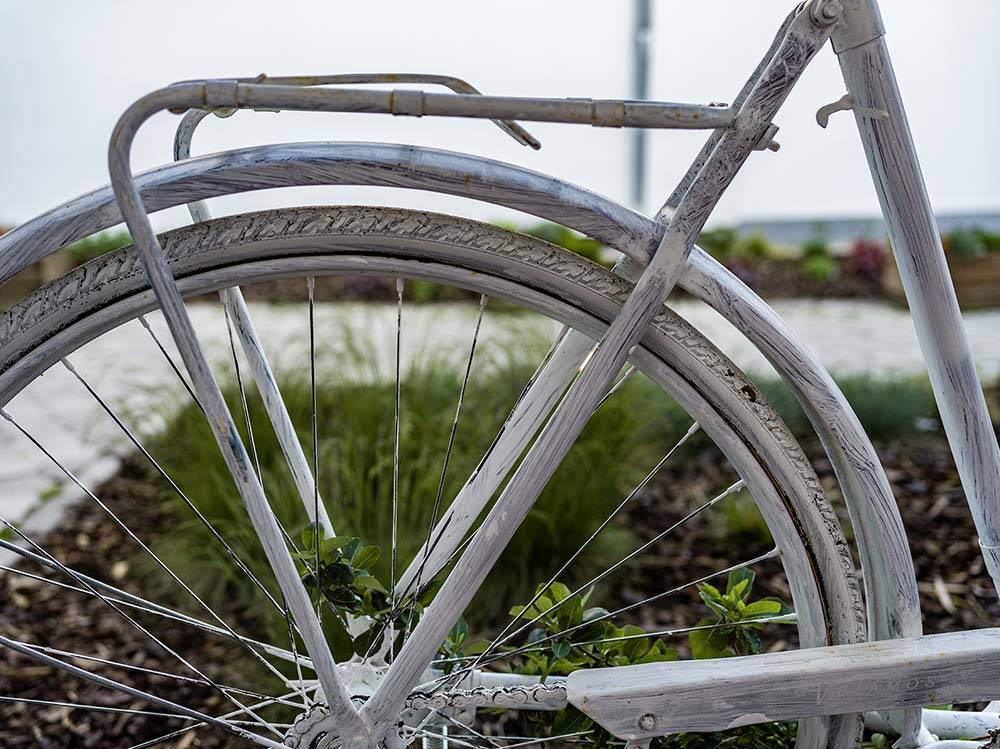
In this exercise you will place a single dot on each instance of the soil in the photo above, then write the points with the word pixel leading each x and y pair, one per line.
pixel 770 278
pixel 784 279
pixel 955 593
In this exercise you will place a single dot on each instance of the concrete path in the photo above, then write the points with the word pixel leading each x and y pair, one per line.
pixel 126 369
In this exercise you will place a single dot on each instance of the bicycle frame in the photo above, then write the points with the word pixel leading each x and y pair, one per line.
pixel 858 41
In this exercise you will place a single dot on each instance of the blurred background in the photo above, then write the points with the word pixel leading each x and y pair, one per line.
pixel 68 70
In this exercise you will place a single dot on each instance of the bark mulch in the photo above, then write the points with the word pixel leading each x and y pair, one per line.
pixel 955 594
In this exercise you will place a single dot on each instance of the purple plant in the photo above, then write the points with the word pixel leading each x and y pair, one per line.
pixel 866 258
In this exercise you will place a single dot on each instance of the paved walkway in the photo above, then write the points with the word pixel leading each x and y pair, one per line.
pixel 125 367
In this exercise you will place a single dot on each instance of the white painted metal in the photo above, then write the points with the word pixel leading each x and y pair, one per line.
pixel 518 430
pixel 336 242
pixel 916 244
pixel 889 580
pixel 210 396
pixel 267 385
pixel 713 695
pixel 945 724
pixel 260 367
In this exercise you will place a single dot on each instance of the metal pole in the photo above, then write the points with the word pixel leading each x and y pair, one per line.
pixel 640 81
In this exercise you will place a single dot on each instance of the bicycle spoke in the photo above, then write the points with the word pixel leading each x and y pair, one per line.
pixel 187 729
pixel 733 489
pixel 137 443
pixel 627 375
pixel 91 708
pixel 242 390
pixel 119 710
pixel 456 676
pixel 172 707
pixel 473 732
pixel 394 550
pixel 451 443
pixel 311 283
pixel 557 369
pixel 791 618
pixel 137 603
pixel 224 296
pixel 503 636
pixel 103 681
pixel 170 360
pixel 148 551
pixel 442 528
pixel 141 669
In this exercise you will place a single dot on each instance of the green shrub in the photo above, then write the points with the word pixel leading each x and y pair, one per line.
pixel 819 268
pixel 753 247
pixel 355 477
pixel 719 243
pixel 887 408
pixel 97 245
pixel 815 246
pixel 738 521
pixel 966 243
pixel 571 636
pixel 566 238
pixel 990 240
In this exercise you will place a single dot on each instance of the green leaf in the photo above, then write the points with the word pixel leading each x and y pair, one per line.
pixel 369 582
pixel 718 605
pixel 308 535
pixel 476 648
pixel 763 607
pixel 711 642
pixel 369 641
pixel 366 557
pixel 431 589
pixel 739 576
pixel 710 589
pixel 563 667
pixel 341 644
pixel 460 631
pixel 752 644
pixel 561 648
pixel 636 647
pixel 559 592
pixel 351 548
pixel 570 720
pixel 329 546
pixel 738 590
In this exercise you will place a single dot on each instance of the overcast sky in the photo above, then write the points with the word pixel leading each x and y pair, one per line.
pixel 68 69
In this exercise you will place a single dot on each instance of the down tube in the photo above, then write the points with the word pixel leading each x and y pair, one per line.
pixel 929 291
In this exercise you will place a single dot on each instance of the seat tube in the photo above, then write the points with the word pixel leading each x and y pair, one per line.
pixel 916 245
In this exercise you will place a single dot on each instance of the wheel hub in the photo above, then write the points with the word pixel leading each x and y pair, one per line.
pixel 313 729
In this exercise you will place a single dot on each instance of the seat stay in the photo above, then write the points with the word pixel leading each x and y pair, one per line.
pixel 805 35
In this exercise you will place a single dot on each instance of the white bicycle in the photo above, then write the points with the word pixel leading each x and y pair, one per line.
pixel 408 678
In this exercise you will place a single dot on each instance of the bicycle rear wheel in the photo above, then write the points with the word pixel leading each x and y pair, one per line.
pixel 286 248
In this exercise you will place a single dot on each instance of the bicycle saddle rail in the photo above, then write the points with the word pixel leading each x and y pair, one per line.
pixel 458 85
